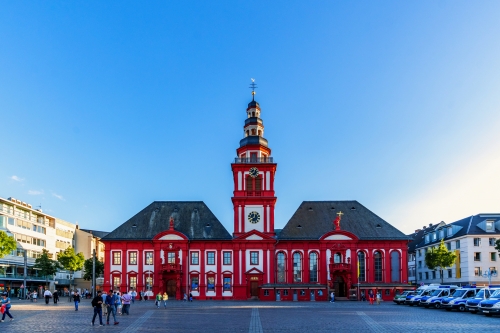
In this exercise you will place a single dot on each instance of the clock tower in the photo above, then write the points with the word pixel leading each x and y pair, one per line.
pixel 253 173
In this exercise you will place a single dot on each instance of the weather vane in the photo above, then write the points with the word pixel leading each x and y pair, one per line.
pixel 253 86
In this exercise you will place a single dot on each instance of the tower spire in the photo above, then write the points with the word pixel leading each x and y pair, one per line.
pixel 253 86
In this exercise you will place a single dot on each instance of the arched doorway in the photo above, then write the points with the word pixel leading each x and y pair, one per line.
pixel 340 287
pixel 171 288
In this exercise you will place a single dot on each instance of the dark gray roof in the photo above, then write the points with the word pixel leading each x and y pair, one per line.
pixel 192 218
pixel 418 237
pixel 99 234
pixel 316 219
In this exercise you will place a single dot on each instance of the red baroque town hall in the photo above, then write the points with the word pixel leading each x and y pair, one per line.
pixel 181 247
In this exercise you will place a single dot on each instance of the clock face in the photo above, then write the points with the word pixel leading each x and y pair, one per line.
pixel 253 172
pixel 253 217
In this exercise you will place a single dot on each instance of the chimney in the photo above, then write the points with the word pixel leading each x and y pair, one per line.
pixel 430 225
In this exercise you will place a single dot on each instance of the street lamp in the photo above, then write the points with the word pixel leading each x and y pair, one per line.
pixel 489 274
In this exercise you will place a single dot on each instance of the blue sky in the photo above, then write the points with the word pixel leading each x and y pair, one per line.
pixel 108 106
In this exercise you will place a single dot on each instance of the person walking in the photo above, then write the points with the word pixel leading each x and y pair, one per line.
pixel 110 302
pixel 165 299
pixel 56 296
pixel 133 293
pixel 126 299
pixel 141 295
pixel 379 297
pixel 371 297
pixel 6 306
pixel 76 298
pixel 48 295
pixel 97 305
pixel 119 304
pixel 190 297
pixel 332 297
pixel 35 296
pixel 158 300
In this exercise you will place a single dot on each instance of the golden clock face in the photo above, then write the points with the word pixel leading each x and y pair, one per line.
pixel 253 172
pixel 253 217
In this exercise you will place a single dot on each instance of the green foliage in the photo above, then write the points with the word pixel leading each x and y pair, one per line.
pixel 46 265
pixel 71 261
pixel 7 244
pixel 497 246
pixel 439 258
pixel 87 269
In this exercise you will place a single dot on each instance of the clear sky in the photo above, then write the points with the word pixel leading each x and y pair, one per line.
pixel 107 106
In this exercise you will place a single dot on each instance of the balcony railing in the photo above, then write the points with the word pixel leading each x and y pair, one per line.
pixel 254 193
pixel 8 276
pixel 171 267
pixel 340 267
pixel 248 160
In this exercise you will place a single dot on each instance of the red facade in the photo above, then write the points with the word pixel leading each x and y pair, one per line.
pixel 257 262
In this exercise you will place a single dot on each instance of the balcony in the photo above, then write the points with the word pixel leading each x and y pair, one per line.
pixel 12 276
pixel 170 267
pixel 253 160
pixel 340 267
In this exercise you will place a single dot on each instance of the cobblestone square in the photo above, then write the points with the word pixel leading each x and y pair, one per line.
pixel 251 316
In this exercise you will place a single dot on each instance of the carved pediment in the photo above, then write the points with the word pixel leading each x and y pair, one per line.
pixel 254 237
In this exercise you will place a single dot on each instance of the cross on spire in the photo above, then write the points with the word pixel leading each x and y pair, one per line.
pixel 340 214
pixel 253 86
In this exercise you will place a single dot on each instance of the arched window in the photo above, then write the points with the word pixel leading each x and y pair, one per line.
pixel 253 131
pixel 313 267
pixel 395 266
pixel 280 267
pixel 260 133
pixel 377 258
pixel 247 133
pixel 337 258
pixel 297 267
pixel 361 267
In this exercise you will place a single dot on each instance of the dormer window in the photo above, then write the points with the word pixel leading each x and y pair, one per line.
pixel 490 226
pixel 441 234
pixel 427 238
pixel 450 232
pixel 434 236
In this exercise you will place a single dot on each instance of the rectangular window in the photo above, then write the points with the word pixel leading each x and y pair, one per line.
pixel 477 271
pixel 254 258
pixel 433 274
pixel 149 257
pixel 419 253
pixel 116 281
pixel 427 238
pixel 449 273
pixel 457 244
pixel 266 292
pixel 133 282
pixel 11 221
pixel 227 258
pixel 132 258
pixel 493 256
pixel 477 256
pixel 210 258
pixel 450 232
pixel 387 292
pixel 211 283
pixel 420 276
pixel 194 283
pixel 171 257
pixel 493 270
pixel 117 258
pixel 477 241
pixel 492 241
pixel 285 292
pixel 426 275
pixel 434 236
pixel 448 246
pixel 490 226
pixel 195 259
pixel 420 264
pixel 227 284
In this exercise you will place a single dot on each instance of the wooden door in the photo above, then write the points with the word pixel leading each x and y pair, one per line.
pixel 171 288
pixel 254 288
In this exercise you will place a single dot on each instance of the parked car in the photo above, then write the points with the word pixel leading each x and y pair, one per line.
pixel 401 298
pixel 458 299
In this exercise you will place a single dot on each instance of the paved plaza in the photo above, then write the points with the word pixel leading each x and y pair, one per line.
pixel 251 316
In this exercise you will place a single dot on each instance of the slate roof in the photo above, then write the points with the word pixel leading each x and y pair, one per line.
pixel 316 218
pixel 472 225
pixel 99 234
pixel 418 237
pixel 192 218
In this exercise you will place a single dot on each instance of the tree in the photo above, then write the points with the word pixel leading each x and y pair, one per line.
pixel 87 269
pixel 440 258
pixel 71 261
pixel 7 244
pixel 497 246
pixel 46 265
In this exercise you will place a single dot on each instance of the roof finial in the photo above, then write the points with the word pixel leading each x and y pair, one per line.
pixel 253 86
